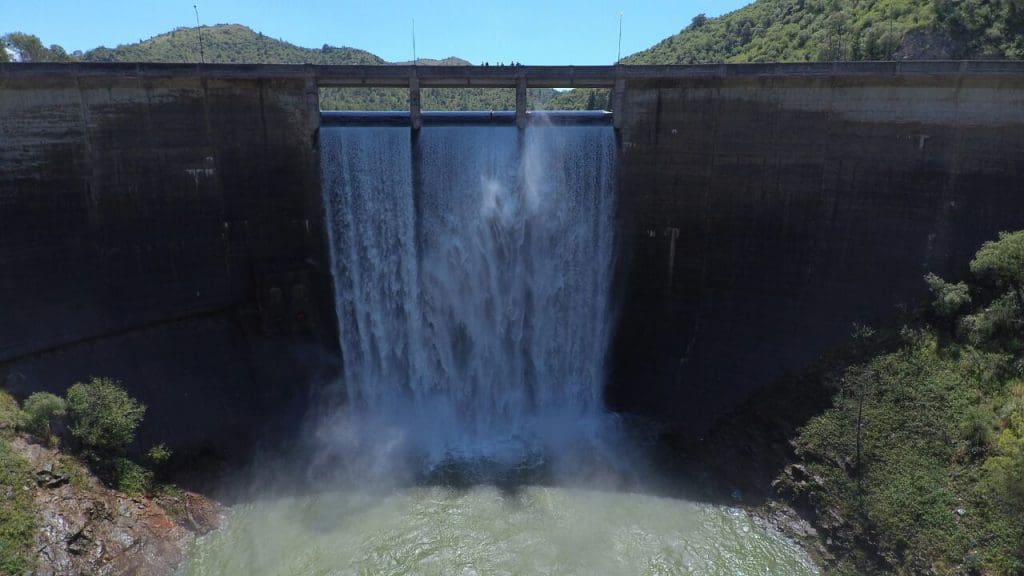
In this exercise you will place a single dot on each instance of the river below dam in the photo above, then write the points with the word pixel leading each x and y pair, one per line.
pixel 485 530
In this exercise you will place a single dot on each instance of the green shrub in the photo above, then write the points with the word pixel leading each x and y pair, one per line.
pixel 10 414
pixel 948 299
pixel 159 454
pixel 1002 261
pixel 17 515
pixel 979 428
pixel 1005 470
pixel 40 410
pixel 998 324
pixel 132 478
pixel 103 416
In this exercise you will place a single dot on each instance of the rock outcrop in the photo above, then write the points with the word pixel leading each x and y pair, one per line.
pixel 87 528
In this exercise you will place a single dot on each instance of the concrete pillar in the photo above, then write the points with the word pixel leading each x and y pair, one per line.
pixel 313 106
pixel 521 101
pixel 618 102
pixel 415 111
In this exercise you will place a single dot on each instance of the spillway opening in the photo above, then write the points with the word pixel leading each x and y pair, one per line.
pixel 468 99
pixel 569 98
pixel 371 98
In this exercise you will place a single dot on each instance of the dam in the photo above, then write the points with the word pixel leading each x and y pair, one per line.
pixel 165 225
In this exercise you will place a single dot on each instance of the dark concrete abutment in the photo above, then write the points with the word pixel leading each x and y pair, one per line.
pixel 165 231
pixel 163 224
pixel 769 209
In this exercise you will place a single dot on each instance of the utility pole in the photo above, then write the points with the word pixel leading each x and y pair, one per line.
pixel 199 29
pixel 618 57
pixel 414 42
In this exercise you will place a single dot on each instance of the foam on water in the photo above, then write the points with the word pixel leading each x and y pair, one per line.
pixel 539 530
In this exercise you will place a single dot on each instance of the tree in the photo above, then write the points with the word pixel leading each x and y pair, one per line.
pixel 103 416
pixel 29 48
pixel 40 409
pixel 698 21
pixel 949 299
pixel 1002 261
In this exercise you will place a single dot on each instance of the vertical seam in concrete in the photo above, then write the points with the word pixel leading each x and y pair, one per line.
pixel 815 255
pixel 705 233
pixel 944 215
pixel 93 199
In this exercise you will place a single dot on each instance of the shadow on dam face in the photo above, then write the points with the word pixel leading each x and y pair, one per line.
pixel 168 229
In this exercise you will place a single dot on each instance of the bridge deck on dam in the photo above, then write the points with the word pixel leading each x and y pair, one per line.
pixel 505 76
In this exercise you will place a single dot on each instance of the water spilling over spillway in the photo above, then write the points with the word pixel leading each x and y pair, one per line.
pixel 472 267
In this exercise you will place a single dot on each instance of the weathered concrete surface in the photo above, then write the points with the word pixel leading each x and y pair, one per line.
pixel 766 214
pixel 165 231
pixel 161 223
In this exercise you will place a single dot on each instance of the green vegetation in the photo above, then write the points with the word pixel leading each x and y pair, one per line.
pixel 17 515
pixel 816 30
pixel 159 454
pixel 921 458
pixel 827 30
pixel 103 416
pixel 10 413
pixel 40 410
pixel 30 49
pixel 131 478
pixel 226 44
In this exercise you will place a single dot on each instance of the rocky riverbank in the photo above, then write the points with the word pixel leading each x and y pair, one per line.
pixel 84 527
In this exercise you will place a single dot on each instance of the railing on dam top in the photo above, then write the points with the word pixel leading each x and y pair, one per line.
pixel 498 118
pixel 508 76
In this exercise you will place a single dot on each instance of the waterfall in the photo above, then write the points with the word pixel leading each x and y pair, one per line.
pixel 472 268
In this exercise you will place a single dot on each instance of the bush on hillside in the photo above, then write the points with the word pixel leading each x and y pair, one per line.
pixel 40 411
pixel 17 514
pixel 1002 261
pixel 948 298
pixel 103 416
pixel 922 454
pixel 132 478
pixel 10 413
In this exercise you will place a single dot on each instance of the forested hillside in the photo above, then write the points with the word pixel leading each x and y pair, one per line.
pixel 827 30
pixel 237 44
pixel 227 43
pixel 817 30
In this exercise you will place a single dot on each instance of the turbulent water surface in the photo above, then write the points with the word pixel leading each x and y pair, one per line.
pixel 486 531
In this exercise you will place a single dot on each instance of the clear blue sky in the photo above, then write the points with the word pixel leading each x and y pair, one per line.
pixel 528 31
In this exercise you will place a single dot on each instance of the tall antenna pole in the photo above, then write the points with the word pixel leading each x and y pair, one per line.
pixel 413 41
pixel 618 57
pixel 202 57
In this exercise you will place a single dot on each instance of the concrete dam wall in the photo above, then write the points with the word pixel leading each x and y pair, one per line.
pixel 770 208
pixel 166 232
pixel 164 224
